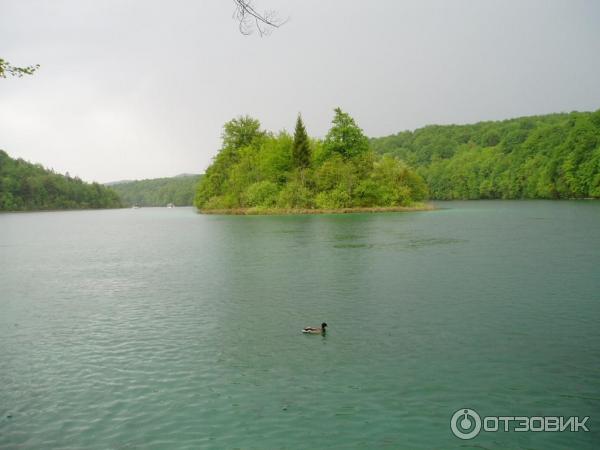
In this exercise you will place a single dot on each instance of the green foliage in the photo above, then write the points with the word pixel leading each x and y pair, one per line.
pixel 333 173
pixel 263 193
pixel 178 190
pixel 267 171
pixel 295 195
pixel 398 185
pixel 26 187
pixel 345 137
pixel 275 158
pixel 221 183
pixel 7 68
pixel 551 156
pixel 301 146
pixel 240 132
pixel 334 199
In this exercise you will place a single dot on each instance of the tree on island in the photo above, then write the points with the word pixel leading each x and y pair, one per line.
pixel 345 137
pixel 301 146
pixel 240 132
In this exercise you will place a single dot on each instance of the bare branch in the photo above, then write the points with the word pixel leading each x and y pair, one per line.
pixel 250 19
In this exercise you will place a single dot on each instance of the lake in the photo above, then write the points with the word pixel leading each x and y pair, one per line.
pixel 161 328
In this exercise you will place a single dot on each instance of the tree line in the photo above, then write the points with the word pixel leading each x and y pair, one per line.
pixel 259 169
pixel 550 156
pixel 25 186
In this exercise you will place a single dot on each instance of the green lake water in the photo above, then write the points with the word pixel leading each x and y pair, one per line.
pixel 165 329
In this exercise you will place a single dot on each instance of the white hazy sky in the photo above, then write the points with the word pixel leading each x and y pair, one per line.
pixel 141 89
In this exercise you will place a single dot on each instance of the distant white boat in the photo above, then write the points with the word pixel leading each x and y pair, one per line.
pixel 135 207
pixel 170 205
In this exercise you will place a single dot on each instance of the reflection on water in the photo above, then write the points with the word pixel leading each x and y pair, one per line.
pixel 353 246
pixel 399 245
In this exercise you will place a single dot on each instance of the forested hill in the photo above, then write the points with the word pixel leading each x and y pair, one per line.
pixel 549 156
pixel 25 186
pixel 178 190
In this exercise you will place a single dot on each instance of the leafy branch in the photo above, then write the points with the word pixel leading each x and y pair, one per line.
pixel 14 71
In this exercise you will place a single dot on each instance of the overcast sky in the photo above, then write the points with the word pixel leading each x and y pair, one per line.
pixel 141 89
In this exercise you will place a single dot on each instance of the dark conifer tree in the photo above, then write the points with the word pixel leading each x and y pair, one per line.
pixel 301 146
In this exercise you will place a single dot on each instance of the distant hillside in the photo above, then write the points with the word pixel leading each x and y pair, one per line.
pixel 25 187
pixel 549 156
pixel 178 190
pixel 112 183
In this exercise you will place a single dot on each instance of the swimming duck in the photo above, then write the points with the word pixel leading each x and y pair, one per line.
pixel 316 330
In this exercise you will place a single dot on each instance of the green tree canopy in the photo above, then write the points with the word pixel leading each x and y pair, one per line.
pixel 240 132
pixel 550 156
pixel 345 137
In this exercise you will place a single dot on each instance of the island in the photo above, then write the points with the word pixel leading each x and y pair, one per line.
pixel 259 172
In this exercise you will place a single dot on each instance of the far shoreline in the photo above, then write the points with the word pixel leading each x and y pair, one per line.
pixel 304 211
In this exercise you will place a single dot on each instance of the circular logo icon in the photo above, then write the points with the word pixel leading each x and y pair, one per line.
pixel 465 423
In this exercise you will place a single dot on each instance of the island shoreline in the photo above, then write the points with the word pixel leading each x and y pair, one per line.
pixel 304 211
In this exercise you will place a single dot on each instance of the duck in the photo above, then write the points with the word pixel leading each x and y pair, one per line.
pixel 316 330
